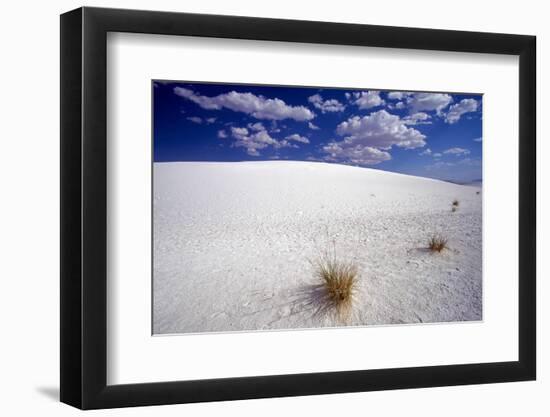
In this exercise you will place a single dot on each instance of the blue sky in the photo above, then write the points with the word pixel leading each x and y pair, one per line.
pixel 437 135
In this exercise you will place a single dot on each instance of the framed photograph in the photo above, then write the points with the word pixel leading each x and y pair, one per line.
pixel 257 208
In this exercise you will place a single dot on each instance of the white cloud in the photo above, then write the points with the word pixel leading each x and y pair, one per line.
pixel 222 134
pixel 466 105
pixel 456 151
pixel 194 119
pixel 331 105
pixel 286 144
pixel 395 95
pixel 367 139
pixel 255 106
pixel 314 158
pixel 255 138
pixel 419 118
pixel 358 155
pixel 398 95
pixel 252 142
pixel 297 138
pixel 465 161
pixel 380 130
pixel 251 151
pixel 428 102
pixel 400 105
pixel 312 126
pixel 429 152
pixel 256 126
pixel 199 120
pixel 366 99
pixel 478 139
pixel 239 131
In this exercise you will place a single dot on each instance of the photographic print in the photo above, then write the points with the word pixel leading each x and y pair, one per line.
pixel 290 207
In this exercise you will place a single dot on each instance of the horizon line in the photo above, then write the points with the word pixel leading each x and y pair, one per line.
pixel 458 182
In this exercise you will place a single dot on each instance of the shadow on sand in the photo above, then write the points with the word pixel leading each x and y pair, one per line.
pixel 310 301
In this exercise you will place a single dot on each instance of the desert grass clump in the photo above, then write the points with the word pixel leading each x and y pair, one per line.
pixel 437 243
pixel 453 209
pixel 339 279
pixel 455 203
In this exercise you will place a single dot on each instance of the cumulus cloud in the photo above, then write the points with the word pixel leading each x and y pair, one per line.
pixel 326 106
pixel 312 126
pixel 255 137
pixel 239 132
pixel 466 105
pixel 366 99
pixel 419 118
pixel 286 144
pixel 478 139
pixel 456 151
pixel 367 139
pixel 252 142
pixel 398 95
pixel 222 134
pixel 428 102
pixel 437 155
pixel 256 126
pixel 428 151
pixel 195 119
pixel 381 130
pixel 358 154
pixel 297 138
pixel 253 105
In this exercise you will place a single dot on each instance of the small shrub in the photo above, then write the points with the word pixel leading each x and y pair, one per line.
pixel 477 192
pixel 437 243
pixel 455 203
pixel 339 279
pixel 453 209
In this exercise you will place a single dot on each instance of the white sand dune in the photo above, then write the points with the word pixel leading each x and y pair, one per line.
pixel 233 244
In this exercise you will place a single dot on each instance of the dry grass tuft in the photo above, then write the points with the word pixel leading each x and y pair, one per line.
pixel 437 243
pixel 455 203
pixel 453 209
pixel 339 279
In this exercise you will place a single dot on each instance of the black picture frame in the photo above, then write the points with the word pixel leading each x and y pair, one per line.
pixel 84 207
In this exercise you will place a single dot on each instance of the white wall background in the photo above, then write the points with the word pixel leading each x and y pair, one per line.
pixel 29 237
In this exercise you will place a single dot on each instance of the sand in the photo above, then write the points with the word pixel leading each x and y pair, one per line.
pixel 234 245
